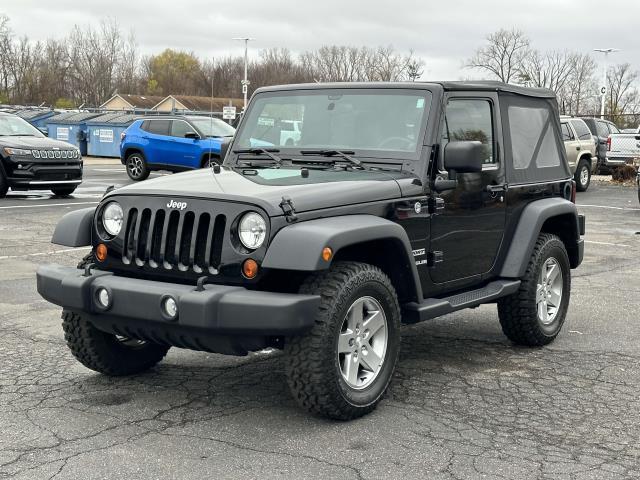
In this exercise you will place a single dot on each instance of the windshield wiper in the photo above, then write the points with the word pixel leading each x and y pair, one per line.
pixel 269 152
pixel 345 154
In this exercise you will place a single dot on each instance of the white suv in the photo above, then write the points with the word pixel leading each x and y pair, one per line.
pixel 581 150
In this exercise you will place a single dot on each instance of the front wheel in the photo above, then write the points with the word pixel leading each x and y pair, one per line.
pixel 343 366
pixel 534 315
pixel 63 191
pixel 137 168
pixel 106 353
pixel 583 176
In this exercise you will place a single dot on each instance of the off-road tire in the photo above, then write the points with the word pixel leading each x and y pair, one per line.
pixel 518 311
pixel 103 352
pixel 140 171
pixel 4 185
pixel 312 367
pixel 580 186
pixel 63 191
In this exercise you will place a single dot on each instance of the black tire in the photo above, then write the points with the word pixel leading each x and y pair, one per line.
pixel 208 161
pixel 63 191
pixel 518 312
pixel 4 185
pixel 104 352
pixel 137 167
pixel 313 363
pixel 582 176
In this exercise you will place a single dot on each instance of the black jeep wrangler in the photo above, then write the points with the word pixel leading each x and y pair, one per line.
pixel 398 203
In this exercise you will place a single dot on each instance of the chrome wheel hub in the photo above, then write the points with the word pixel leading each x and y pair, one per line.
pixel 362 343
pixel 549 291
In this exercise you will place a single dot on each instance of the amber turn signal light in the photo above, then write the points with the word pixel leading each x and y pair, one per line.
pixel 250 268
pixel 101 252
pixel 327 253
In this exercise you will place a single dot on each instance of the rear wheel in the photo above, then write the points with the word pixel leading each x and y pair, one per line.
pixel 137 168
pixel 106 353
pixel 343 366
pixel 534 315
pixel 63 191
pixel 582 176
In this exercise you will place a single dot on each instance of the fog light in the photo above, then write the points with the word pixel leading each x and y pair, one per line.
pixel 103 297
pixel 170 307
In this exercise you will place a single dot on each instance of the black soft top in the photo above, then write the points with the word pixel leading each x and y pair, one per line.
pixel 477 86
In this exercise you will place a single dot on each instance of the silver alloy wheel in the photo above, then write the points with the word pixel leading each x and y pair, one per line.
pixel 584 176
pixel 549 291
pixel 362 344
pixel 135 165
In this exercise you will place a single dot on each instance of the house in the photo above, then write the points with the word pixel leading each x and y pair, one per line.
pixel 189 103
pixel 123 101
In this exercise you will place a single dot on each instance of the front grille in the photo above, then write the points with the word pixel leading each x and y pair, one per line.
pixel 174 240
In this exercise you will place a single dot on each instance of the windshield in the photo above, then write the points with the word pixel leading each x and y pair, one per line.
pixel 14 126
pixel 213 127
pixel 372 122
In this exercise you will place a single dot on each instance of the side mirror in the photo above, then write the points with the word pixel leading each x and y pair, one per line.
pixel 460 157
pixel 192 135
pixel 224 147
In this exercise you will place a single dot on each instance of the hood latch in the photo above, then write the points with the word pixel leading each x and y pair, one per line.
pixel 288 209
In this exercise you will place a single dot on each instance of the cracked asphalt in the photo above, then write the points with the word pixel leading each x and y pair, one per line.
pixel 464 403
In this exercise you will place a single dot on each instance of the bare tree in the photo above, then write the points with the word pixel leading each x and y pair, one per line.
pixel 503 55
pixel 580 89
pixel 623 92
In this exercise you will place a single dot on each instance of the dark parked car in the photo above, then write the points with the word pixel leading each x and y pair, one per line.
pixel 31 161
pixel 172 143
pixel 601 129
pixel 398 203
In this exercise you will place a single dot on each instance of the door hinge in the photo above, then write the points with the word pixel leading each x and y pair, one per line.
pixel 433 258
pixel 436 204
pixel 288 209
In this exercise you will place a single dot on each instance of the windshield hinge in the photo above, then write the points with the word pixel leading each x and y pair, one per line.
pixel 288 209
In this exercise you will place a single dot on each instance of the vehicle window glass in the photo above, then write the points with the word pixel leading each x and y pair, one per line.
pixel 16 126
pixel 145 126
pixel 159 127
pixel 613 128
pixel 602 129
pixel 532 137
pixel 581 129
pixel 567 134
pixel 179 128
pixel 213 127
pixel 470 120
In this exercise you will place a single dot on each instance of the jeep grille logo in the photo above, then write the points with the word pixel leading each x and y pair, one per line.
pixel 178 205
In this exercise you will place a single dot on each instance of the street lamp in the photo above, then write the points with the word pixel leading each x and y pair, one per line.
pixel 245 82
pixel 603 88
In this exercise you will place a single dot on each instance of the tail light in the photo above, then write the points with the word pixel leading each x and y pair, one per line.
pixel 122 135
pixel 608 144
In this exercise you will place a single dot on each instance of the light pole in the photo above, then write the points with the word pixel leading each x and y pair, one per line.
pixel 245 82
pixel 603 88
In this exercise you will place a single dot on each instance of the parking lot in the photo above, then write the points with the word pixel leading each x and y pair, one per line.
pixel 464 403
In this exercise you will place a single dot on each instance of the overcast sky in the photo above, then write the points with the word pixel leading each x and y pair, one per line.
pixel 443 33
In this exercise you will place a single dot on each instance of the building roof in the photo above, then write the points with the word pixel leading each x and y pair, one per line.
pixel 137 101
pixel 203 104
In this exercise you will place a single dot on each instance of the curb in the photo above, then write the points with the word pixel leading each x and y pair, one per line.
pixel 101 161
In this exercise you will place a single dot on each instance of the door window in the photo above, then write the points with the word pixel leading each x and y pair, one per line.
pixel 470 120
pixel 581 129
pixel 179 128
pixel 567 134
pixel 158 127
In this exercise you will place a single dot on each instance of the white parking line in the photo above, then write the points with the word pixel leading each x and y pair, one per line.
pixel 608 207
pixel 41 254
pixel 45 205
pixel 607 243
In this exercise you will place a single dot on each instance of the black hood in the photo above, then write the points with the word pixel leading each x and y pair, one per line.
pixel 34 142
pixel 266 187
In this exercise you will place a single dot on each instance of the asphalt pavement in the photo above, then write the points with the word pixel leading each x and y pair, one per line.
pixel 464 403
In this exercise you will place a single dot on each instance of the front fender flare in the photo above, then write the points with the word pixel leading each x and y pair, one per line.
pixel 74 229
pixel 299 246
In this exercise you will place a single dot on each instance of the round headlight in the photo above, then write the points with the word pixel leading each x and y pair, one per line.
pixel 252 230
pixel 112 218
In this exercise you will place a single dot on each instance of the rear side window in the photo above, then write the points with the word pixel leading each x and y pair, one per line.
pixel 602 129
pixel 567 134
pixel 532 138
pixel 470 120
pixel 581 129
pixel 159 127
pixel 613 128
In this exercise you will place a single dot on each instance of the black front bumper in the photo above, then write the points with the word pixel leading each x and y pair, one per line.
pixel 136 306
pixel 43 174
